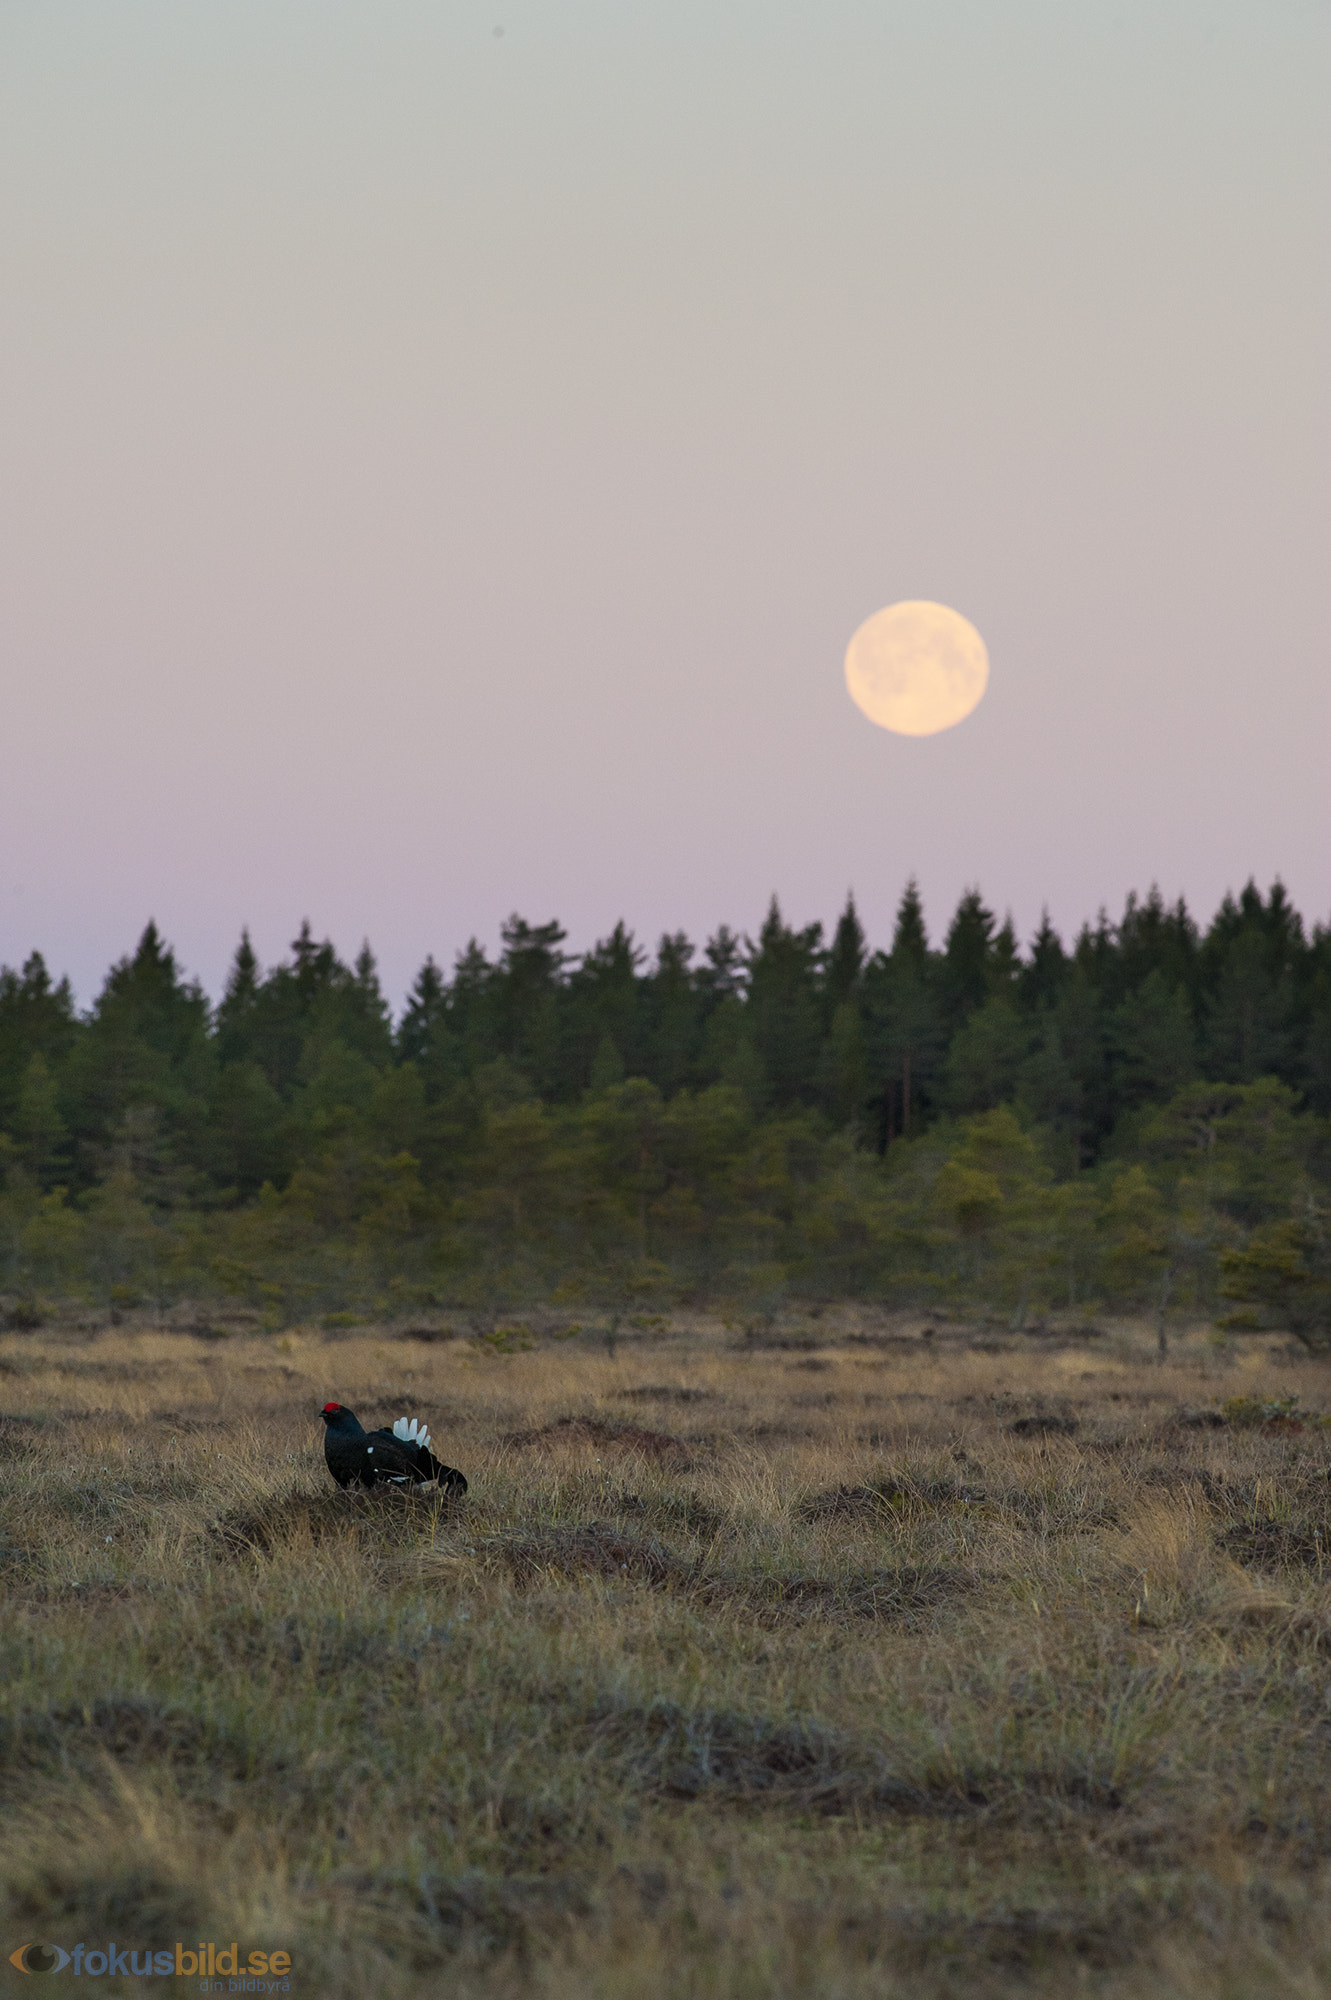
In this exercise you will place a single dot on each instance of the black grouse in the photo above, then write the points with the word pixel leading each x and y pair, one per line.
pixel 400 1457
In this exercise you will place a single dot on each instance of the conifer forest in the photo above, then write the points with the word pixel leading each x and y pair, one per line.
pixel 1138 1119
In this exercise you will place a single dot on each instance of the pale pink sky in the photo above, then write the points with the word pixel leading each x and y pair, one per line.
pixel 441 471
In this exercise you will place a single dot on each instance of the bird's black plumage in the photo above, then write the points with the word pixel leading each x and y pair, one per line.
pixel 400 1457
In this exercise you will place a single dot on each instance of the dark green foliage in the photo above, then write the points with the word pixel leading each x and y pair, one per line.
pixel 986 1056
pixel 966 975
pixel 1042 977
pixel 672 1015
pixel 1153 1040
pixel 37 1127
pixel 1285 1268
pixel 779 1111
pixel 782 1007
pixel 1150 939
pixel 845 959
pixel 604 1034
pixel 36 1019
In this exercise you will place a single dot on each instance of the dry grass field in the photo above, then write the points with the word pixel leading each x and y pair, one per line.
pixel 843 1659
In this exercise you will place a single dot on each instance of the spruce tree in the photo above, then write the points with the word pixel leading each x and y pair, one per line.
pixel 601 1003
pixel 38 1126
pixel 721 976
pixel 238 1006
pixel 423 1014
pixel 965 973
pixel 674 1015
pixel 845 959
pixel 36 1018
pixel 1042 977
pixel 910 940
pixel 471 1005
pixel 903 1029
pixel 1153 1043
pixel 526 995
pixel 782 1010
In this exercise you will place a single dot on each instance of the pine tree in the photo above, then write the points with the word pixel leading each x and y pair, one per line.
pixel 1285 1268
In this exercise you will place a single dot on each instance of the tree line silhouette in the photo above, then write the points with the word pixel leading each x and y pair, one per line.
pixel 746 1113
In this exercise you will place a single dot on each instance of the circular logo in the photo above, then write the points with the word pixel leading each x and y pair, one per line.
pixel 39 1958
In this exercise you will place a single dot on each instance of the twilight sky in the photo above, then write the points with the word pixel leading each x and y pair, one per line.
pixel 440 470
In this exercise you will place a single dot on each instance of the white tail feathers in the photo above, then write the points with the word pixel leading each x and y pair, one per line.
pixel 411 1431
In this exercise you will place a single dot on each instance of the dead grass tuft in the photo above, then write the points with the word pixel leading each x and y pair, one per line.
pixel 695 1753
pixel 596 1550
pixel 887 1499
pixel 663 1392
pixel 292 1519
pixel 605 1435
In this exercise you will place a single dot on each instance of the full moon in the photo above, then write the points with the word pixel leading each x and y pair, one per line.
pixel 916 668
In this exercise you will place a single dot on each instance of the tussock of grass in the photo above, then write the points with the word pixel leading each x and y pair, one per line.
pixel 756 1704
pixel 606 1435
pixel 596 1550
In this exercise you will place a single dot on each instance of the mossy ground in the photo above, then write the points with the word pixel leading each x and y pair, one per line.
pixel 863 1664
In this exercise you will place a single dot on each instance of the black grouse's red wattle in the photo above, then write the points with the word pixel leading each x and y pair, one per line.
pixel 400 1457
